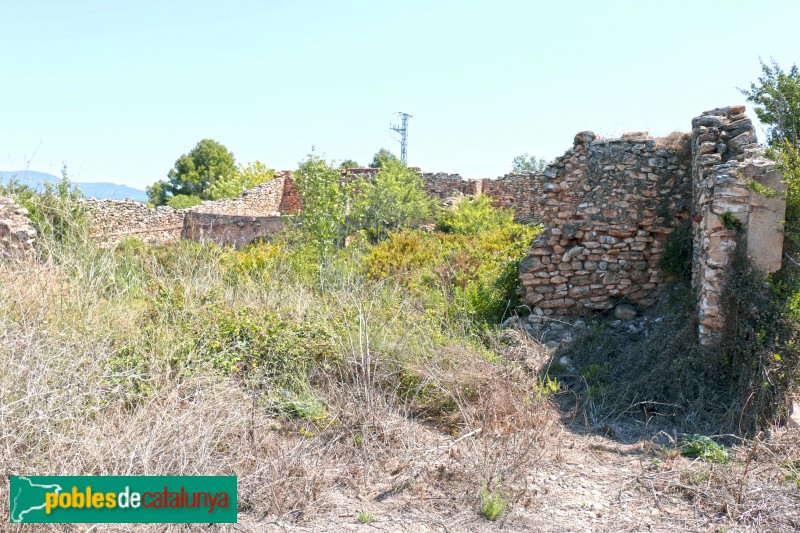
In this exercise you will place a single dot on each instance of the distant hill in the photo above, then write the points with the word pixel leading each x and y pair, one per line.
pixel 100 189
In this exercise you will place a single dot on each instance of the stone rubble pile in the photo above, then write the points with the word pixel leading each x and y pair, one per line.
pixel 558 332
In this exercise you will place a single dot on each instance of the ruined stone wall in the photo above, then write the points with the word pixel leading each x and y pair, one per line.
pixel 515 191
pixel 519 192
pixel 727 213
pixel 290 203
pixel 231 230
pixel 606 207
pixel 261 200
pixel 112 220
pixel 441 185
pixel 17 234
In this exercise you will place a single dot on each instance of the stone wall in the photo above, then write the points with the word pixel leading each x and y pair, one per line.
pixel 515 191
pixel 262 200
pixel 17 235
pixel 727 213
pixel 112 220
pixel 606 206
pixel 519 192
pixel 290 203
pixel 254 212
pixel 232 230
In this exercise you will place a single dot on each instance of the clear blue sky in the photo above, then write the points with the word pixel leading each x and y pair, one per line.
pixel 119 90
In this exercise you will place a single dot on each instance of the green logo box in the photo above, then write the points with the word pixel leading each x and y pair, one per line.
pixel 122 499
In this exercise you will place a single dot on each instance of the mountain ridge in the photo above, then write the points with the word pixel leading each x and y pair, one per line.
pixel 100 189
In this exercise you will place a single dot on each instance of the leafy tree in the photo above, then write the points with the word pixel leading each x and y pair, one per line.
pixel 776 99
pixel 224 189
pixel 528 163
pixel 182 201
pixel 157 193
pixel 394 199
pixel 325 202
pixel 203 172
pixel 348 163
pixel 776 102
pixel 254 174
pixel 382 158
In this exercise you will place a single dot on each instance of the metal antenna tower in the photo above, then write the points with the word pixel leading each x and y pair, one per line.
pixel 402 129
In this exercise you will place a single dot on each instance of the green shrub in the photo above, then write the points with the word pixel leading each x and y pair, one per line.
pixel 478 274
pixel 472 216
pixel 394 199
pixel 408 255
pixel 492 503
pixel 325 203
pixel 259 345
pixel 56 212
pixel 702 447
pixel 182 201
pixel 365 518
pixel 254 262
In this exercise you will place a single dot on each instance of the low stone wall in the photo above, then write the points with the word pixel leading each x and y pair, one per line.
pixel 232 230
pixel 257 210
pixel 515 191
pixel 17 234
pixel 727 213
pixel 112 220
pixel 606 206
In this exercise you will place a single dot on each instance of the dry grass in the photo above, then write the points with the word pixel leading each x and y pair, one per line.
pixel 64 410
pixel 677 142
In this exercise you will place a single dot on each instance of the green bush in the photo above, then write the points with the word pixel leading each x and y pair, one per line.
pixel 702 447
pixel 393 200
pixel 182 201
pixel 260 346
pixel 325 204
pixel 478 273
pixel 492 503
pixel 472 216
pixel 56 212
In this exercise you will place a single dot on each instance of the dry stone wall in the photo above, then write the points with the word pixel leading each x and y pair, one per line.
pixel 606 207
pixel 17 235
pixel 232 230
pixel 515 191
pixel 111 221
pixel 253 215
pixel 727 214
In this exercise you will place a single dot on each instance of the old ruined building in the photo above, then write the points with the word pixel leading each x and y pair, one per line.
pixel 606 208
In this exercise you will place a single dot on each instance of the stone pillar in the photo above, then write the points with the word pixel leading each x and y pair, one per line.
pixel 726 212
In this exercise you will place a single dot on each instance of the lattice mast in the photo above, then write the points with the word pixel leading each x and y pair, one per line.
pixel 402 129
